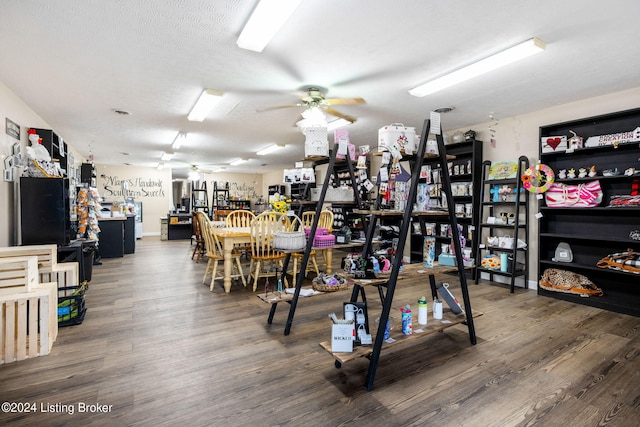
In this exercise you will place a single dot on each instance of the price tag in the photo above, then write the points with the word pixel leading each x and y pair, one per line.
pixel 368 185
pixel 539 215
pixel 384 175
pixel 435 122
pixel 343 147
pixel 386 157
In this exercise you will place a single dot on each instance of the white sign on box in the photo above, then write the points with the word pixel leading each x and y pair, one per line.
pixel 397 133
pixel 342 337
pixel 553 144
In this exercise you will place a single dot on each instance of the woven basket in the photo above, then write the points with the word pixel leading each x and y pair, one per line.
pixel 289 240
pixel 328 288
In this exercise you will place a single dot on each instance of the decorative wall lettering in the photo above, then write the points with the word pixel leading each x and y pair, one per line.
pixel 242 191
pixel 138 188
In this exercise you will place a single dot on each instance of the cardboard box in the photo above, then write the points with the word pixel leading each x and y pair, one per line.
pixel 342 338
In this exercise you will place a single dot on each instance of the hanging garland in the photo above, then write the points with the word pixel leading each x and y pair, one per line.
pixel 538 178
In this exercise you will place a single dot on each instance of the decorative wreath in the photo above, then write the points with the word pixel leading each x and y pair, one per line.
pixel 538 178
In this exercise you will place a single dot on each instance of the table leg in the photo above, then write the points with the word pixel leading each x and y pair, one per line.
pixel 328 259
pixel 228 263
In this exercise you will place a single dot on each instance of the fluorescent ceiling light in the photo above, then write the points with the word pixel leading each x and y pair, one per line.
pixel 270 149
pixel 165 157
pixel 220 169
pixel 238 162
pixel 265 21
pixel 208 98
pixel 160 166
pixel 335 124
pixel 515 53
pixel 180 139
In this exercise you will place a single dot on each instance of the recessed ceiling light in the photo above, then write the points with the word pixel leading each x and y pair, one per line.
pixel 121 112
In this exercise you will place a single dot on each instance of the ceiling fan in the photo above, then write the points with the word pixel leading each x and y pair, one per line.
pixel 314 96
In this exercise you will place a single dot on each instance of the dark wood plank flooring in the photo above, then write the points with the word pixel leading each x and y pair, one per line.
pixel 161 349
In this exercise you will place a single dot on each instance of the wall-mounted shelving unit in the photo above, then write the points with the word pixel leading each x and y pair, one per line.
pixel 596 232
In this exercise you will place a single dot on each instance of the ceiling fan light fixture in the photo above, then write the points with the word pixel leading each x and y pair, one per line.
pixel 179 140
pixel 270 149
pixel 165 157
pixel 338 123
pixel 205 103
pixel 237 162
pixel 265 21
pixel 520 51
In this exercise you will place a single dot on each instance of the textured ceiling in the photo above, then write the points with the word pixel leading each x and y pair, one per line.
pixel 74 62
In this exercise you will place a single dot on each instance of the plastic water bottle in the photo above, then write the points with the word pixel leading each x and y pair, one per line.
pixel 422 311
pixel 407 323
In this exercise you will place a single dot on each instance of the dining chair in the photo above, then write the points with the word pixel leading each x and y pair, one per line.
pixel 240 218
pixel 295 224
pixel 215 254
pixel 200 250
pixel 263 230
pixel 325 220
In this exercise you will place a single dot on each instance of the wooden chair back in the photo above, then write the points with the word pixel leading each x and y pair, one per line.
pixel 240 218
pixel 325 221
pixel 212 244
pixel 263 230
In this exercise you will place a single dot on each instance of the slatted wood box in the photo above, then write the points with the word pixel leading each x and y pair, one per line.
pixel 65 274
pixel 18 274
pixel 29 323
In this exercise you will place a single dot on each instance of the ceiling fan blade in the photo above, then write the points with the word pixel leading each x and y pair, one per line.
pixel 341 115
pixel 344 101
pixel 279 107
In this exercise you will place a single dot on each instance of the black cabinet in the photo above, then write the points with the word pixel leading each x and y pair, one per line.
pixel 179 227
pixel 88 174
pixel 111 242
pixel 45 211
pixel 595 233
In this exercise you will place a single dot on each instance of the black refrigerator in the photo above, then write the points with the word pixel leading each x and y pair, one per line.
pixel 45 211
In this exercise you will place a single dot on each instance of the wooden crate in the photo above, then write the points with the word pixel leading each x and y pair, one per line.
pixel 65 274
pixel 18 274
pixel 28 323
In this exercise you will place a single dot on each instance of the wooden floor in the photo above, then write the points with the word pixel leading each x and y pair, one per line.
pixel 159 349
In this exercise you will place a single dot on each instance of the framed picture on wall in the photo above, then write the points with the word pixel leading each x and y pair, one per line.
pixel 12 129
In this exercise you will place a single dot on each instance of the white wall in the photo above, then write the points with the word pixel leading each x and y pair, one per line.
pixel 150 186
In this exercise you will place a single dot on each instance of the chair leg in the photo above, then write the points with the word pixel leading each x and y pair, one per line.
pixel 244 282
pixel 286 282
pixel 315 265
pixel 213 275
pixel 256 275
pixel 250 274
pixel 295 269
pixel 206 271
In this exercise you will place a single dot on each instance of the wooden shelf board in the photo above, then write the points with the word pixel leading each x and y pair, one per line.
pixel 448 320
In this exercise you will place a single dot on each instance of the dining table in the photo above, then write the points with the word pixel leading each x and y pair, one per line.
pixel 229 237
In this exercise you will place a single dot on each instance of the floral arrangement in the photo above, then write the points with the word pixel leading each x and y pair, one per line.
pixel 280 203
